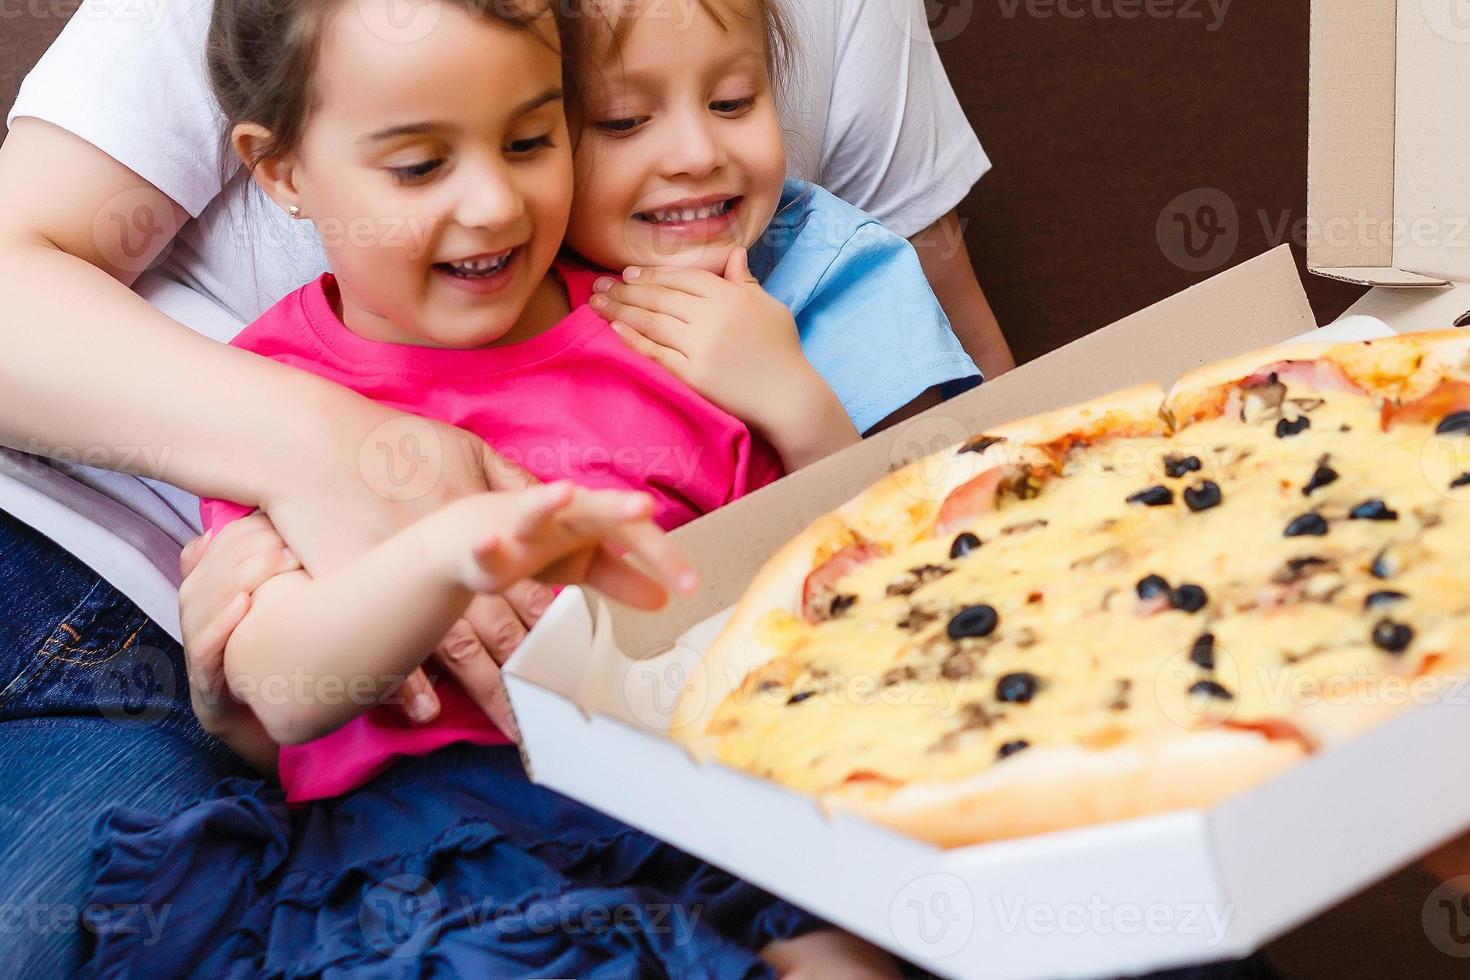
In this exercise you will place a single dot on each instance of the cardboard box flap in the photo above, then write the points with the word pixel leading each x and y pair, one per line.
pixel 1387 202
pixel 1350 145
pixel 1383 276
pixel 1256 304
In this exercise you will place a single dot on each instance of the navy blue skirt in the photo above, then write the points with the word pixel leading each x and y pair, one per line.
pixel 452 865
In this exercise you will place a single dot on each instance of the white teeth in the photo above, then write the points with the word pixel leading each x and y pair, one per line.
pixel 480 266
pixel 688 214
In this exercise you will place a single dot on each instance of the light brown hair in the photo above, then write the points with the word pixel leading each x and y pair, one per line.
pixel 262 55
pixel 577 15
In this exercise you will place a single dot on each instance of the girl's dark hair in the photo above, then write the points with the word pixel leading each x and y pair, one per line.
pixel 780 39
pixel 261 57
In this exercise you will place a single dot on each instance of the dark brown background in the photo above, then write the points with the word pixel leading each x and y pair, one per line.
pixel 1096 125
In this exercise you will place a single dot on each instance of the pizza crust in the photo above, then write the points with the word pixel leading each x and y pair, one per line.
pixel 1048 789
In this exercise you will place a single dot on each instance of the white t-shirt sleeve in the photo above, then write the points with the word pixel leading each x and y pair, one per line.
pixel 129 78
pixel 897 144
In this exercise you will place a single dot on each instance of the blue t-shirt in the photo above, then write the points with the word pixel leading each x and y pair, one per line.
pixel 869 322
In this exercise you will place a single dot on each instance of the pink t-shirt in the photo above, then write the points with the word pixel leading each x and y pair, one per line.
pixel 574 403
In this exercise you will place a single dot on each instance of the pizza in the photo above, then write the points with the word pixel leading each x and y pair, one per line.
pixel 1144 603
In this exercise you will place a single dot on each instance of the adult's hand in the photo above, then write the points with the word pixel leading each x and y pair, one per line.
pixel 358 480
pixel 247 552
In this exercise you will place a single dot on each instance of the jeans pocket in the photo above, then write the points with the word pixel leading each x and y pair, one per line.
pixel 104 657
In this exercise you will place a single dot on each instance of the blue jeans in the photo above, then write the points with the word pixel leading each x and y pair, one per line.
pixel 94 712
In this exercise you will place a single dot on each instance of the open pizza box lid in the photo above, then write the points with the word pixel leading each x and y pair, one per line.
pixel 593 688
pixel 1388 197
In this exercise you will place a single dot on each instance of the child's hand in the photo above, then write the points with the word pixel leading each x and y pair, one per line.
pixel 735 344
pixel 220 574
pixel 727 338
pixel 492 540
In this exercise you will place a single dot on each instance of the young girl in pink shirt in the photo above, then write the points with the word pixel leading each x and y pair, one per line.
pixel 437 164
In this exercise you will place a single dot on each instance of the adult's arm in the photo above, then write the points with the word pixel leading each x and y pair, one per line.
pixel 92 370
pixel 946 261
pixel 898 145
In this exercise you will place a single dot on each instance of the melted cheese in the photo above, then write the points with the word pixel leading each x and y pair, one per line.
pixel 882 692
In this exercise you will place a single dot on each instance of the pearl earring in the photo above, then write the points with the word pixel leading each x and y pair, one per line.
pixel 294 211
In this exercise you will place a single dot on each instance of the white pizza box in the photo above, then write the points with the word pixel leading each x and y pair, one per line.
pixel 593 685
pixel 1388 203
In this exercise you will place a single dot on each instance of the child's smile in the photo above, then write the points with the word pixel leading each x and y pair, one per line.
pixel 679 155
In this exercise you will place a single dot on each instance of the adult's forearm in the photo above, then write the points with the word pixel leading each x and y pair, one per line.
pixel 91 373
pixel 946 261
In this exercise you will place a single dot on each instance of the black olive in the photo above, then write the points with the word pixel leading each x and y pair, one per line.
pixel 798 698
pixel 980 444
pixel 1190 598
pixel 1152 587
pixel 842 603
pixel 972 622
pixel 1285 429
pixel 1382 567
pixel 1385 598
pixel 1212 689
pixel 1011 748
pixel 1325 476
pixel 1313 525
pixel 1373 510
pixel 1392 637
pixel 1018 688
pixel 1160 496
pixel 963 545
pixel 1203 653
pixel 1458 422
pixel 1463 480
pixel 1203 497
pixel 1178 466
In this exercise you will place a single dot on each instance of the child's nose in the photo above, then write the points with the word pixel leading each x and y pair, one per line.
pixel 694 150
pixel 488 200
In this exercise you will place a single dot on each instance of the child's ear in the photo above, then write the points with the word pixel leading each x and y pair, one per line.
pixel 274 174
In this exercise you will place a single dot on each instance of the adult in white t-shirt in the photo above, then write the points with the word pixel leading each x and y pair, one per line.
pixel 124 219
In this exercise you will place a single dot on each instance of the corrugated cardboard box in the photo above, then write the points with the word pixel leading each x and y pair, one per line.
pixel 593 688
pixel 1388 197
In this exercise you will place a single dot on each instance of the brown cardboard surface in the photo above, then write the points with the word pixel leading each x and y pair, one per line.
pixel 1387 197
pixel 1256 304
pixel 1350 149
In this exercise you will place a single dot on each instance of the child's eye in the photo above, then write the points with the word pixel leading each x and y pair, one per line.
pixel 620 125
pixel 529 145
pixel 416 172
pixel 732 105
